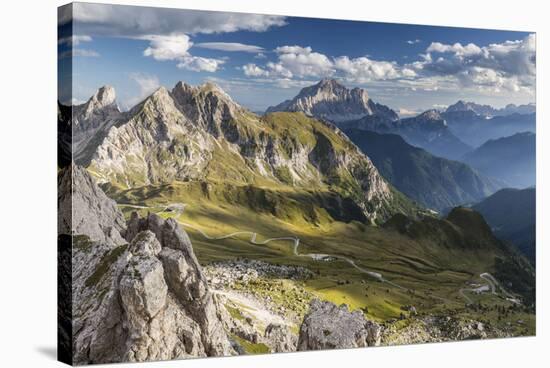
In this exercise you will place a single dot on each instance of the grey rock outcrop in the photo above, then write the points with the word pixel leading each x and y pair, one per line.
pixel 83 208
pixel 280 339
pixel 327 326
pixel 138 300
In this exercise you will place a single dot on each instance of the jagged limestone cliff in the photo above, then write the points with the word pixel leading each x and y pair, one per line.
pixel 138 293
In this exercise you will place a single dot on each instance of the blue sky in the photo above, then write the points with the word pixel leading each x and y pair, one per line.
pixel 262 60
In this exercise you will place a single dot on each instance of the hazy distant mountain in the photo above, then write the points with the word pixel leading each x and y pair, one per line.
pixel 512 215
pixel 353 109
pixel 429 130
pixel 489 111
pixel 435 182
pixel 475 129
pixel 510 159
pixel 330 100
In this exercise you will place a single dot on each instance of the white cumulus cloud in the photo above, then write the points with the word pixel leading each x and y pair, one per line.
pixel 295 61
pixel 510 65
pixel 252 70
pixel 171 47
pixel 301 62
pixel 363 69
pixel 457 48
pixel 200 64
pixel 176 47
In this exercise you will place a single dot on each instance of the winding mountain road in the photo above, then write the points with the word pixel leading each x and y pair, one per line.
pixel 296 244
pixel 492 285
pixel 178 208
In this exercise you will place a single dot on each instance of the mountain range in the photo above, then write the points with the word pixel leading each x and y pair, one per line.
pixel 512 215
pixel 435 182
pixel 353 109
pixel 476 129
pixel 450 134
pixel 200 134
pixel 489 111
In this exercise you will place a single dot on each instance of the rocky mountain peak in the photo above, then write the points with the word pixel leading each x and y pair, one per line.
pixel 331 89
pixel 105 97
pixel 206 105
pixel 431 115
pixel 177 134
pixel 484 110
pixel 94 117
pixel 330 84
pixel 488 111
pixel 186 92
pixel 460 105
pixel 159 97
pixel 331 100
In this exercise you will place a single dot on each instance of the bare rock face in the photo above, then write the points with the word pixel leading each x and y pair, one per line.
pixel 206 105
pixel 280 339
pixel 143 289
pixel 140 299
pixel 91 121
pixel 185 278
pixel 83 208
pixel 327 326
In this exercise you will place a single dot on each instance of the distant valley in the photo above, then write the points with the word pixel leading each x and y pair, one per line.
pixel 435 182
pixel 509 159
pixel 475 124
pixel 512 215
